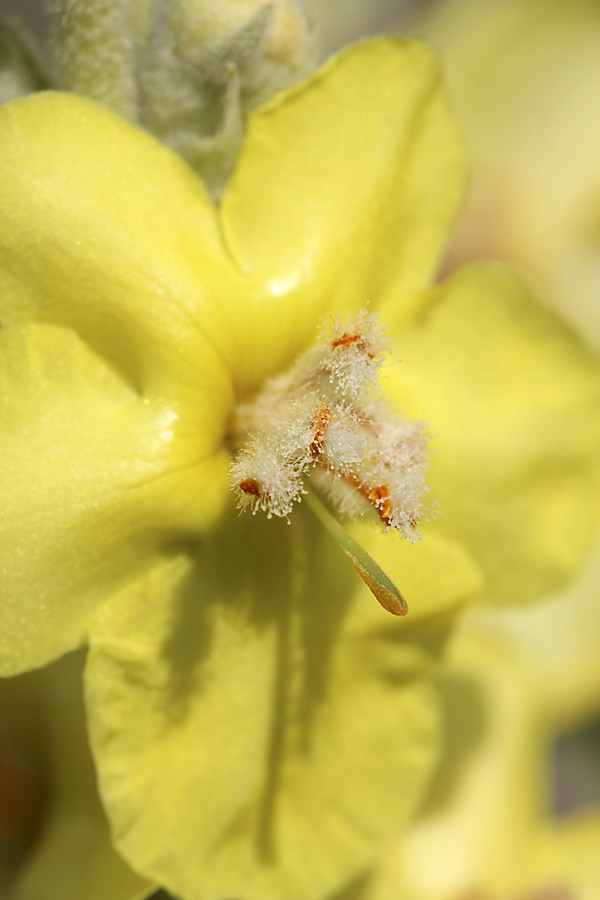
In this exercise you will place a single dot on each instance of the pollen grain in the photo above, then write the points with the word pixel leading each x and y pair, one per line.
pixel 251 487
pixel 321 425
pixel 353 340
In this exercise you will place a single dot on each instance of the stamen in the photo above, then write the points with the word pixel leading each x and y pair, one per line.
pixel 325 419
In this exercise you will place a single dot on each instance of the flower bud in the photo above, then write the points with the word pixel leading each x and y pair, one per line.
pixel 207 63
pixel 267 42
pixel 20 69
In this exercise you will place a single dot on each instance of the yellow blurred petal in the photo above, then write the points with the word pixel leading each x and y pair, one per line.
pixel 274 735
pixel 473 838
pixel 344 192
pixel 512 401
pixel 478 822
pixel 92 479
pixel 73 858
pixel 512 684
pixel 558 640
pixel 567 856
pixel 488 823
pixel 524 76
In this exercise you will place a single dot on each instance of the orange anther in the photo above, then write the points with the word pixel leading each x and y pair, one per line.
pixel 380 498
pixel 251 487
pixel 351 340
pixel 320 427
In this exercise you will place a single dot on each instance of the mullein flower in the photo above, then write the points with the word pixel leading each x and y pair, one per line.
pixel 259 724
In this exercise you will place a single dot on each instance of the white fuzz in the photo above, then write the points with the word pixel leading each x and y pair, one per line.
pixel 357 351
pixel 345 444
pixel 264 482
pixel 324 419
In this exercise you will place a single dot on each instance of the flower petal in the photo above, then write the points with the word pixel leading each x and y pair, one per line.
pixel 512 400
pixel 93 480
pixel 559 640
pixel 513 687
pixel 105 231
pixel 478 820
pixel 345 190
pixel 274 732
pixel 567 858
pixel 73 857
pixel 489 823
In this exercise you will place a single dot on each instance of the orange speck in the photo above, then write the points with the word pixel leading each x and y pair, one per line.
pixel 352 340
pixel 380 498
pixel 251 487
pixel 320 427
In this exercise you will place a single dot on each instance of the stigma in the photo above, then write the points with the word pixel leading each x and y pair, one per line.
pixel 326 420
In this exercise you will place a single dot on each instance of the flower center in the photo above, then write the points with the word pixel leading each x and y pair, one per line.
pixel 325 419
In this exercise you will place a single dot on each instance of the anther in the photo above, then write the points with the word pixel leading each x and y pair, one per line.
pixel 380 498
pixel 352 340
pixel 250 487
pixel 324 418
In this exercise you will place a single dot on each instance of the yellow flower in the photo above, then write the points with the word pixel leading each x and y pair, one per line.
pixel 259 723
pixel 516 681
pixel 524 78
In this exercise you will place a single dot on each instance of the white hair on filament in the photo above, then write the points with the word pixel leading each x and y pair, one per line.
pixel 326 419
